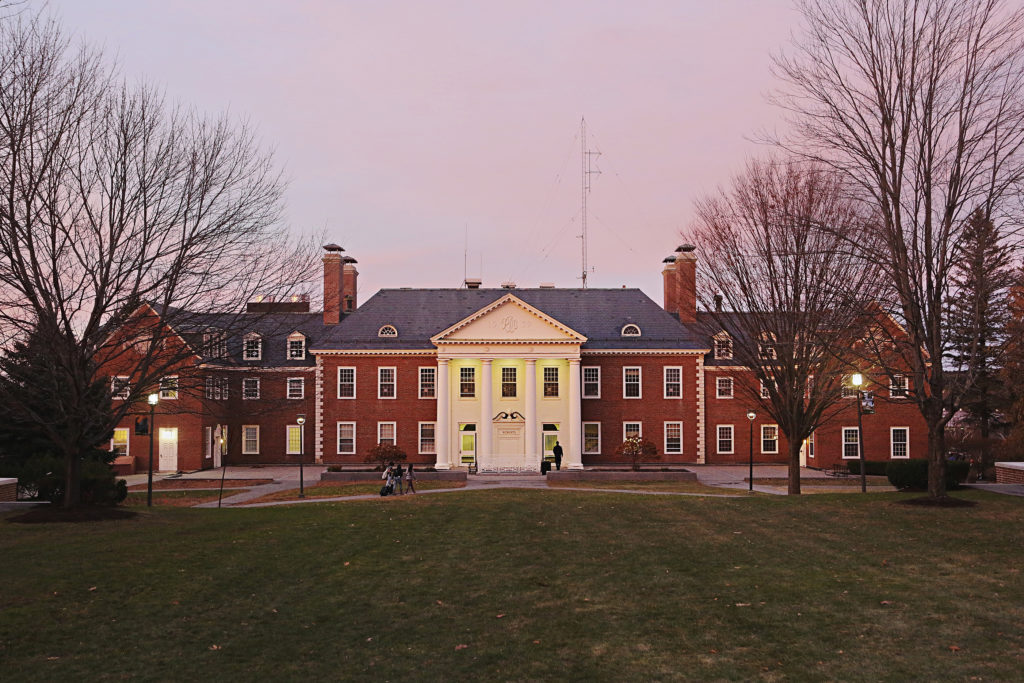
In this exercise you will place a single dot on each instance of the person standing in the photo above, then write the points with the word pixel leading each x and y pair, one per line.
pixel 557 450
pixel 409 476
pixel 397 471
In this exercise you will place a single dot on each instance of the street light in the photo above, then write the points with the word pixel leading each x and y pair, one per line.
pixel 153 399
pixel 858 379
pixel 750 416
pixel 301 420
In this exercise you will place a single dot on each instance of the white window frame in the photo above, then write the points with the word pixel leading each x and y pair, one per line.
pixel 640 428
pixel 592 452
pixel 245 449
pixel 337 437
pixel 394 432
pixel 215 344
pixel 846 390
pixel 724 352
pixel 668 424
pixel 167 393
pixel 639 382
pixel 353 396
pixel 718 439
pixel 120 387
pixel 217 388
pixel 666 382
pixel 765 393
pixel 419 432
pixel 432 383
pixel 776 439
pixel 899 390
pixel 843 443
pixel 583 377
pixel 544 382
pixel 251 379
pixel 252 336
pixel 288 441
pixel 718 387
pixel 514 382
pixel 127 439
pixel 627 332
pixel 295 337
pixel 472 371
pixel 302 388
pixel 387 331
pixel 892 443
pixel 809 445
pixel 381 383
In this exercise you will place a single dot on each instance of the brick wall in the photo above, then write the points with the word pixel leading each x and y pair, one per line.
pixel 1009 473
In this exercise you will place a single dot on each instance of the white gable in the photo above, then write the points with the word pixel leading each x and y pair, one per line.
pixel 509 319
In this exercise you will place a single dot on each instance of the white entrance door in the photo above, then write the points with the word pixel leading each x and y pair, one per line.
pixel 168 449
pixel 467 445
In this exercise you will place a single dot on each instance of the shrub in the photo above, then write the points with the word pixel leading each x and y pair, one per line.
pixel 385 453
pixel 913 473
pixel 334 468
pixel 871 467
pixel 636 447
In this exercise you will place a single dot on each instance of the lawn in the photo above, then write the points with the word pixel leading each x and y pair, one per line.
pixel 328 489
pixel 176 498
pixel 523 585
pixel 653 486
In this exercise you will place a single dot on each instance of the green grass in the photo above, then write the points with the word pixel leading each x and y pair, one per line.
pixel 656 486
pixel 523 585
pixel 334 490
pixel 177 498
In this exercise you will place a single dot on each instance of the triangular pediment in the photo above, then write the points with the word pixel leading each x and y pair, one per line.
pixel 509 319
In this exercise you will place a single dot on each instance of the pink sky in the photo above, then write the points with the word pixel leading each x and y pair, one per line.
pixel 403 124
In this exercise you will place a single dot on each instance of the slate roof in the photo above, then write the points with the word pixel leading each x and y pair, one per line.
pixel 598 314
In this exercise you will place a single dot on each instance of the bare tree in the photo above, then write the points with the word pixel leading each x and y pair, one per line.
pixel 120 217
pixel 789 288
pixel 920 105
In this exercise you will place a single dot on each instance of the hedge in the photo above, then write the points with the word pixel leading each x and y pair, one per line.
pixel 913 473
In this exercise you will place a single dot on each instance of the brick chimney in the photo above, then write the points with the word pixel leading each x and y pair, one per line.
pixel 332 284
pixel 668 276
pixel 686 283
pixel 349 284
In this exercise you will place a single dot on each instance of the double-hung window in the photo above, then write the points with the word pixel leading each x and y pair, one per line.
pixel 169 388
pixel 252 347
pixel 591 438
pixel 346 382
pixel 251 439
pixel 386 383
pixel 592 382
pixel 723 346
pixel 550 382
pixel 217 388
pixel 346 438
pixel 632 429
pixel 250 388
pixel 508 383
pixel 851 443
pixel 673 437
pixel 428 382
pixel 467 382
pixel 673 382
pixel 119 442
pixel 296 387
pixel 428 440
pixel 120 387
pixel 769 438
pixel 631 382
pixel 296 346
pixel 898 386
pixel 386 433
pixel 723 387
pixel 899 442
pixel 725 440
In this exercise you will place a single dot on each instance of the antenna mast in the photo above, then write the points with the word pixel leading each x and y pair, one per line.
pixel 586 156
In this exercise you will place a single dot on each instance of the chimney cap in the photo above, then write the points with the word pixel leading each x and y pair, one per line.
pixel 348 259
pixel 473 283
pixel 669 259
pixel 547 285
pixel 508 284
pixel 333 247
pixel 685 248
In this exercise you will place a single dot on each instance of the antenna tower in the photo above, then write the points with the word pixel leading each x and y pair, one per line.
pixel 587 157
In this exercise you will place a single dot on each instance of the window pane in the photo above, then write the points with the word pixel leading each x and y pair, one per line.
pixel 551 382
pixel 591 382
pixel 346 382
pixel 673 382
pixel 294 439
pixel 467 382
pixel 631 388
pixel 346 437
pixel 427 382
pixel 673 437
pixel 427 438
pixel 508 382
pixel 592 437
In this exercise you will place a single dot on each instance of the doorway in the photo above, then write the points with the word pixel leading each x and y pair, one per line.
pixel 168 449
pixel 551 437
pixel 467 444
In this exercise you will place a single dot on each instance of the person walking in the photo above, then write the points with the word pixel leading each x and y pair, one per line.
pixel 397 471
pixel 557 450
pixel 409 476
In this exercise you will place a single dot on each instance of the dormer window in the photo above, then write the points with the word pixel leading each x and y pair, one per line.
pixel 723 346
pixel 252 347
pixel 631 330
pixel 296 346
pixel 766 347
pixel 215 344
pixel 387 331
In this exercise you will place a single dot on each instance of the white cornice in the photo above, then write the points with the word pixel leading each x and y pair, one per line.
pixel 514 300
pixel 373 352
pixel 643 352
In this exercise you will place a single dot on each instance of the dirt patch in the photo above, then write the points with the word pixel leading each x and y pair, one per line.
pixel 48 514
pixel 186 484
pixel 941 502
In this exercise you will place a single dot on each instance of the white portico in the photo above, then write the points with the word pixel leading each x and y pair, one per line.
pixel 508 389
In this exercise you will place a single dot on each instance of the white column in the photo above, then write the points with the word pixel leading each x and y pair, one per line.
pixel 530 435
pixel 483 452
pixel 575 459
pixel 443 425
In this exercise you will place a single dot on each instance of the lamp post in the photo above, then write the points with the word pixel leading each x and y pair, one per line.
pixel 750 417
pixel 301 420
pixel 153 399
pixel 858 379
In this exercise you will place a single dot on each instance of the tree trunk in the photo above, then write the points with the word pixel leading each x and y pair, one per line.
pixel 794 466
pixel 936 460
pixel 72 479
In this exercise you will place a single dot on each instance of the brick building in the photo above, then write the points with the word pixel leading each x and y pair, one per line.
pixel 491 377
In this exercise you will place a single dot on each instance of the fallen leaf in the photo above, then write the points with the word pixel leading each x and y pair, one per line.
pixel 93 588
pixel 461 646
pixel 886 602
pixel 713 651
pixel 440 603
pixel 500 616
pixel 50 659
pixel 954 648
pixel 215 647
pixel 743 604
pixel 536 642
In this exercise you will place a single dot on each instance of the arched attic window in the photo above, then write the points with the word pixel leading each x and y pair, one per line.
pixel 630 330
pixel 387 331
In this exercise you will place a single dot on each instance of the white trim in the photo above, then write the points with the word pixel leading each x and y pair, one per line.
pixel 394 382
pixel 394 431
pixel 842 443
pixel 288 388
pixel 892 444
pixel 584 444
pixel 574 336
pixel 501 382
pixel 894 387
pixel 623 333
pixel 642 352
pixel 666 426
pixel 338 383
pixel 419 382
pixel 732 440
pixel 467 397
pixel 724 337
pixel 169 391
pixel 250 336
pixel 732 388
pixel 544 382
pixel 287 439
pixel 776 439
pixel 127 439
pixel 583 376
pixel 246 451
pixel 419 438
pixel 251 379
pixel 640 431
pixel 665 382
pixel 639 381
pixel 122 382
pixel 295 336
pixel 383 328
pixel 337 438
